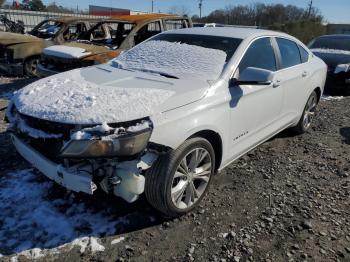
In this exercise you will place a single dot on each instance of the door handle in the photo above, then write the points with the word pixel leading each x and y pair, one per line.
pixel 304 74
pixel 276 83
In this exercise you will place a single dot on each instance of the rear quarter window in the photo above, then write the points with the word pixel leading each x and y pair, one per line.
pixel 304 55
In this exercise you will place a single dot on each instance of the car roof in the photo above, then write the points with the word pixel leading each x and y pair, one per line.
pixel 234 32
pixel 142 18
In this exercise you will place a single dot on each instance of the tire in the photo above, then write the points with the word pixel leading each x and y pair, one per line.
pixel 30 66
pixel 163 188
pixel 307 116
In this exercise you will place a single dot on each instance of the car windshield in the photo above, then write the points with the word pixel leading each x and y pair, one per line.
pixel 111 34
pixel 180 56
pixel 337 43
pixel 47 29
pixel 226 44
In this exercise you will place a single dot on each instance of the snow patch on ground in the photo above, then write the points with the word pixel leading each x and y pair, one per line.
pixel 331 98
pixel 330 51
pixel 117 240
pixel 70 98
pixel 180 60
pixel 36 222
pixel 63 51
pixel 85 244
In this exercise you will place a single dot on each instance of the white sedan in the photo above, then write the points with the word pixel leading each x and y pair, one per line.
pixel 165 116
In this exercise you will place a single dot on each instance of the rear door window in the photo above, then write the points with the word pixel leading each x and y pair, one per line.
pixel 260 54
pixel 290 54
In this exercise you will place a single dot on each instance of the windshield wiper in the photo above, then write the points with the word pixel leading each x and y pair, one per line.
pixel 168 76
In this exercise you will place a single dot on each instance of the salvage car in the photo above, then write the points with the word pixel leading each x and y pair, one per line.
pixel 20 54
pixel 334 50
pixel 106 40
pixel 165 116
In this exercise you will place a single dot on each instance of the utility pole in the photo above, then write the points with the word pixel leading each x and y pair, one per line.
pixel 310 8
pixel 152 5
pixel 200 5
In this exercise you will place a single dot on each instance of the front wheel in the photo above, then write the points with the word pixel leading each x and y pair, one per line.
pixel 178 181
pixel 308 114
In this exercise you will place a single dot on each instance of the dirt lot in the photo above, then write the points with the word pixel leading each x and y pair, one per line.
pixel 288 200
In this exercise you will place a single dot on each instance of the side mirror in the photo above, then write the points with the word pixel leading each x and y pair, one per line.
pixel 254 76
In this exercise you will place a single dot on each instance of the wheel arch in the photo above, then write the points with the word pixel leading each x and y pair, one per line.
pixel 318 92
pixel 215 140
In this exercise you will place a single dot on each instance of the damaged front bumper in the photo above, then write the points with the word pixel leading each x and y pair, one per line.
pixel 77 179
pixel 123 179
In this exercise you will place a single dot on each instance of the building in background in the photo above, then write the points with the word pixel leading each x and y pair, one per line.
pixel 110 11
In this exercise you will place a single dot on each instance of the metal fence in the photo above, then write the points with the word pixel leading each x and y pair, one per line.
pixel 32 18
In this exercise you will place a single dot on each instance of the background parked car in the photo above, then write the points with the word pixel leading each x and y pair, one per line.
pixel 334 50
pixel 20 54
pixel 106 40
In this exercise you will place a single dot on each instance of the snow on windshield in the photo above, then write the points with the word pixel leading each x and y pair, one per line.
pixel 330 51
pixel 176 59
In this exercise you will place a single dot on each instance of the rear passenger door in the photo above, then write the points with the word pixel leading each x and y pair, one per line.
pixel 293 74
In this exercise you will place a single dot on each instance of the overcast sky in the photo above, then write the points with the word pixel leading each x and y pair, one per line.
pixel 335 11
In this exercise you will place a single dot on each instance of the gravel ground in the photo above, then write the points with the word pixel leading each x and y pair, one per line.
pixel 287 200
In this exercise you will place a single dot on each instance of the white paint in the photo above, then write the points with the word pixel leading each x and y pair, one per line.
pixel 63 51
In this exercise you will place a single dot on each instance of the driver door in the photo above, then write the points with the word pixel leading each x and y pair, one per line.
pixel 255 109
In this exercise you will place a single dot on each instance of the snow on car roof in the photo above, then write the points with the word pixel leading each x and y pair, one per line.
pixel 235 32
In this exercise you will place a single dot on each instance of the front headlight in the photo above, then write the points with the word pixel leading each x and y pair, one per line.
pixel 125 145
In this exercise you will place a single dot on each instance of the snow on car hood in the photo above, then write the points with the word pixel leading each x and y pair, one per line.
pixel 65 51
pixel 180 60
pixel 104 94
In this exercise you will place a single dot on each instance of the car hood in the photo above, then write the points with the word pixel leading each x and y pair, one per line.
pixel 77 50
pixel 104 94
pixel 333 59
pixel 7 38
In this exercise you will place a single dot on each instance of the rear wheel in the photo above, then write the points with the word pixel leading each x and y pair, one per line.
pixel 31 66
pixel 178 181
pixel 308 114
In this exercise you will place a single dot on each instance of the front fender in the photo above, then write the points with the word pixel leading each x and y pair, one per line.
pixel 172 128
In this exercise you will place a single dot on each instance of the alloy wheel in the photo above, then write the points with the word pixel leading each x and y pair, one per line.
pixel 310 110
pixel 191 178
